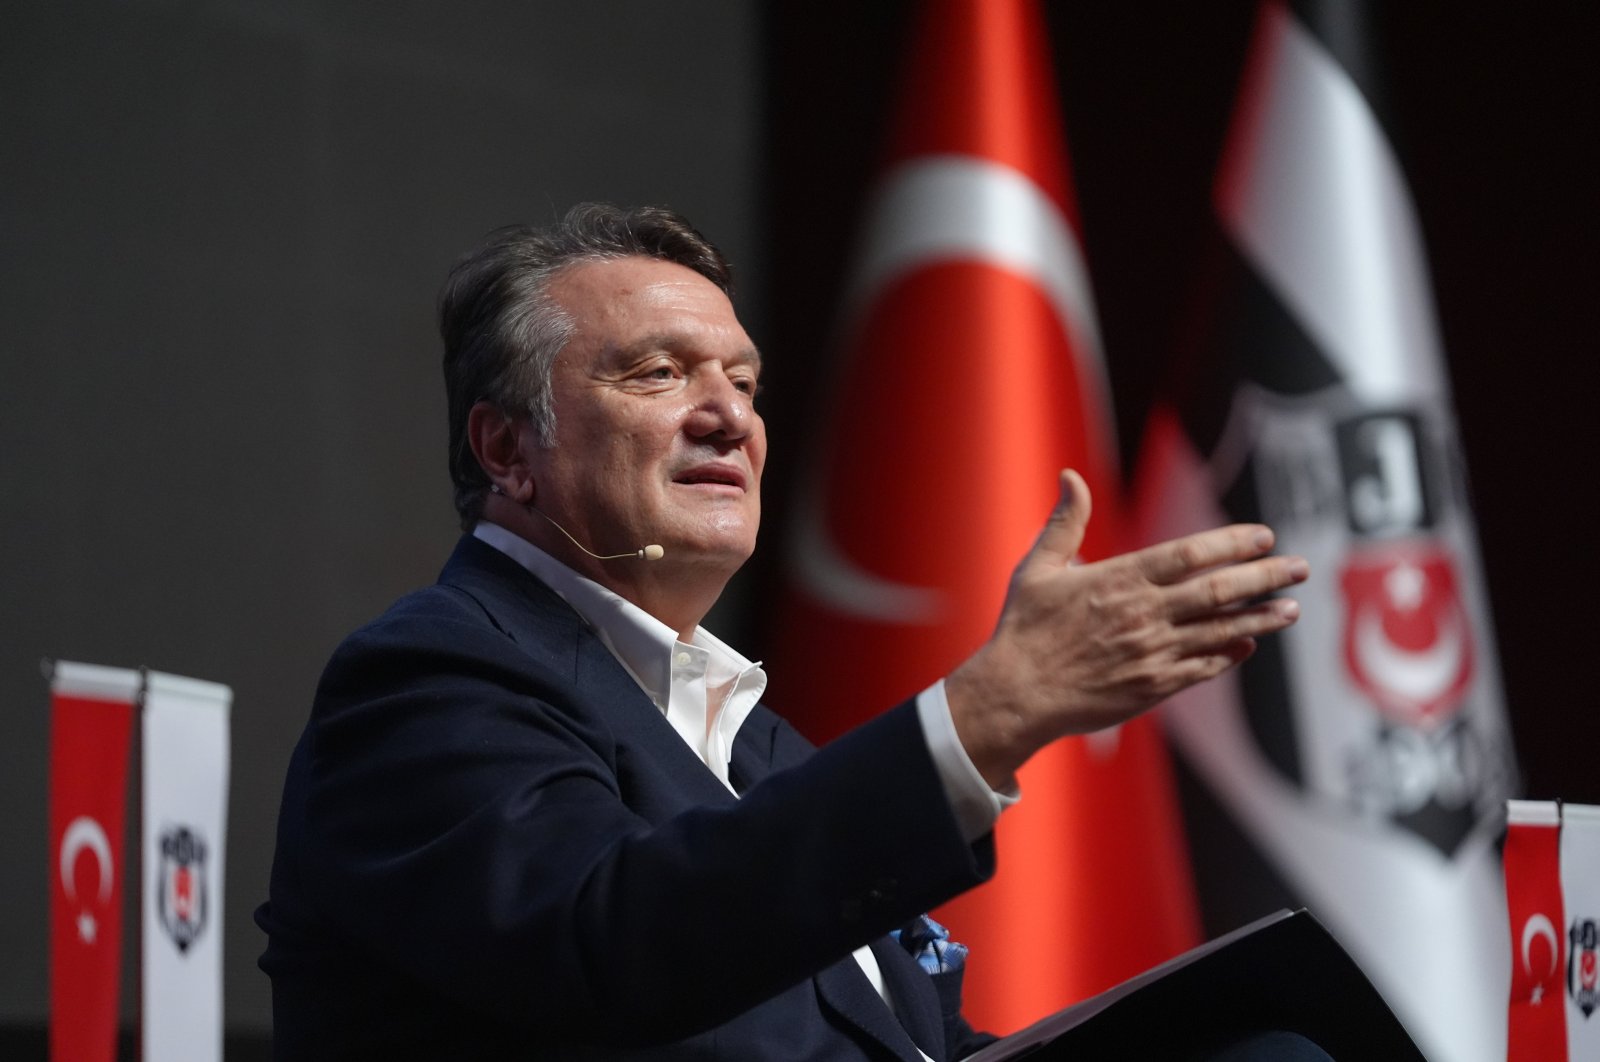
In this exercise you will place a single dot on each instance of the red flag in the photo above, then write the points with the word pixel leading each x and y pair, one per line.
pixel 1538 1025
pixel 971 373
pixel 91 720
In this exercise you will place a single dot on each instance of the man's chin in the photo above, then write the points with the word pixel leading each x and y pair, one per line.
pixel 728 549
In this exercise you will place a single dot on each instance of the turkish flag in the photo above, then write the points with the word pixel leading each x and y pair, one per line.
pixel 1537 1025
pixel 90 725
pixel 969 374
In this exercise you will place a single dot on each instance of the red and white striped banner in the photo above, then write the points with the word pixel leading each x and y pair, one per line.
pixel 1552 862
pixel 91 721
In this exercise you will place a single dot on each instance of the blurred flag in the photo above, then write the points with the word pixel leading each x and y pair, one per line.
pixel 184 735
pixel 1366 750
pixel 970 373
pixel 1580 891
pixel 1538 1030
pixel 91 720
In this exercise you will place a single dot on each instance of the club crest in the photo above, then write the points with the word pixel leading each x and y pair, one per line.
pixel 1583 967
pixel 1408 643
pixel 1380 702
pixel 181 895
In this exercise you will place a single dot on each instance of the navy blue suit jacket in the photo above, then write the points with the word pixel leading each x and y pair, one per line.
pixel 492 845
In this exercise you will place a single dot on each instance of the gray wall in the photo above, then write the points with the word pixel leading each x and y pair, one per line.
pixel 222 226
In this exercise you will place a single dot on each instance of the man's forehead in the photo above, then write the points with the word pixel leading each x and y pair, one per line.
pixel 639 305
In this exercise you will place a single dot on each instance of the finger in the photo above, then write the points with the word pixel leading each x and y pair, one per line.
pixel 1223 657
pixel 1212 634
pixel 1062 536
pixel 1209 665
pixel 1174 561
pixel 1223 588
pixel 1233 654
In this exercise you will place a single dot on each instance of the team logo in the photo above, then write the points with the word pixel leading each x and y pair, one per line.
pixel 181 898
pixel 1583 971
pixel 1407 641
pixel 1378 700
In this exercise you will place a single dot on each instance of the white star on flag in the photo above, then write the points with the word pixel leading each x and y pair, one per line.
pixel 1405 584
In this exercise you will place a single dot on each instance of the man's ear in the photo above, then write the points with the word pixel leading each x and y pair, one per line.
pixel 496 441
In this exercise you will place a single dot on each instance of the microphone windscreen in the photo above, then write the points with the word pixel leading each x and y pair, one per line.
pixel 653 552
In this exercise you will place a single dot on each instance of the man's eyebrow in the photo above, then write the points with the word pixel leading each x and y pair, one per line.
pixel 674 341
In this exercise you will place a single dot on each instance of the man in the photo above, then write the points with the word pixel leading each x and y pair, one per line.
pixel 538 811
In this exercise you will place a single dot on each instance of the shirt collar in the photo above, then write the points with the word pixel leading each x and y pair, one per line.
pixel 641 643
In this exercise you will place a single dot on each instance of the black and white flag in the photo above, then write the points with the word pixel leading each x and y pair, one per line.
pixel 1365 752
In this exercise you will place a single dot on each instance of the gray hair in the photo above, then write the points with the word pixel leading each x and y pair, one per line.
pixel 502 331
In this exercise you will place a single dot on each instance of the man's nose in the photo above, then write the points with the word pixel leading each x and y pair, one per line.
pixel 722 410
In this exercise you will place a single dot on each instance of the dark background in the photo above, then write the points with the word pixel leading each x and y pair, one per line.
pixel 222 226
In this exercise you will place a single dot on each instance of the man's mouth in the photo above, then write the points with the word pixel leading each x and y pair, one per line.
pixel 712 474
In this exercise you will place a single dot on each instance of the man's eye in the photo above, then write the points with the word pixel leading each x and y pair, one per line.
pixel 749 387
pixel 661 372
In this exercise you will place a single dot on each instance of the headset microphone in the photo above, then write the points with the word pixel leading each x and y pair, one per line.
pixel 650 552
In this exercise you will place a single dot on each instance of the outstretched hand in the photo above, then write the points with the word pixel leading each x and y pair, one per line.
pixel 1080 647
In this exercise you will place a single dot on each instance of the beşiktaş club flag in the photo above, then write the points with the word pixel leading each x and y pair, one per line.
pixel 1553 896
pixel 1365 751
pixel 185 816
pixel 91 722
pixel 970 372
pixel 1580 891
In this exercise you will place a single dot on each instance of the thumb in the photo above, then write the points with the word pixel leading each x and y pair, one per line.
pixel 1062 536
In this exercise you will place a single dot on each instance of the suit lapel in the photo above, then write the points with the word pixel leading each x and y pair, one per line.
pixel 751 759
pixel 546 627
pixel 843 989
pixel 916 1001
pixel 640 726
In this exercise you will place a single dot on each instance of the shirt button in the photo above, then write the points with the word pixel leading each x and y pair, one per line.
pixel 683 659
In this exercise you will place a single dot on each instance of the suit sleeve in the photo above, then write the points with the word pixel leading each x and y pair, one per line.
pixel 464 817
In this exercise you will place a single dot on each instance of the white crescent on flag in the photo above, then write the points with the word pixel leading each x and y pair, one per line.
pixel 944 208
pixel 82 833
pixel 1535 927
pixel 1418 675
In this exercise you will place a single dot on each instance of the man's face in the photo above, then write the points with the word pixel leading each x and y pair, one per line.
pixel 657 438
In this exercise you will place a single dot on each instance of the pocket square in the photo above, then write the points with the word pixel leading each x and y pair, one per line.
pixel 929 943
